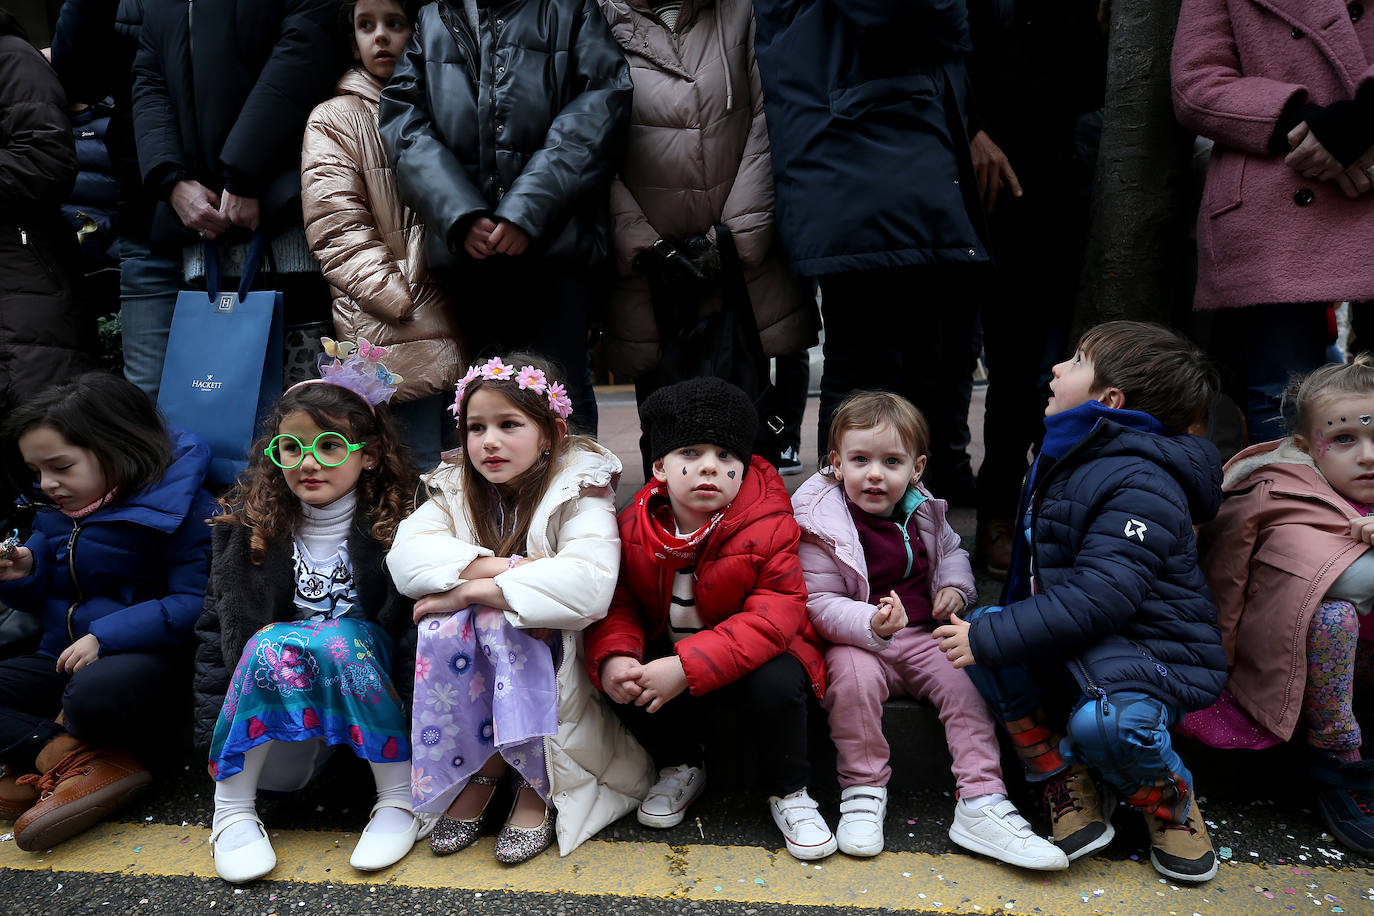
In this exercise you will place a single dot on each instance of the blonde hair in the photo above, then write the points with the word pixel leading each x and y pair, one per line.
pixel 871 409
pixel 1330 381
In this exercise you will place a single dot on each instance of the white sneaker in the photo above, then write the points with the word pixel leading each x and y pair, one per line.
pixel 666 804
pixel 802 826
pixel 860 830
pixel 998 830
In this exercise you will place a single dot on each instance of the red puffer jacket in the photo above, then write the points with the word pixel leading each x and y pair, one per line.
pixel 749 591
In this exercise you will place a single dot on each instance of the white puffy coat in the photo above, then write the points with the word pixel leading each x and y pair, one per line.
pixel 597 771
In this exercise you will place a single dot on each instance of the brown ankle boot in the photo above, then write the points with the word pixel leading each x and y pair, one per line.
pixel 79 786
pixel 14 798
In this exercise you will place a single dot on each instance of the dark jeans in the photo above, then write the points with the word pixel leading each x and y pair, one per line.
pixel 521 304
pixel 131 700
pixel 1260 347
pixel 771 700
pixel 909 330
pixel 1038 248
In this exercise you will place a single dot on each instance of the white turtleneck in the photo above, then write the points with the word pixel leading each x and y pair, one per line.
pixel 323 529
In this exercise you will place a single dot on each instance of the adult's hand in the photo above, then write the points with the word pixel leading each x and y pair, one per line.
pixel 477 243
pixel 1357 179
pixel 1308 157
pixel 198 208
pixel 508 238
pixel 993 169
pixel 240 211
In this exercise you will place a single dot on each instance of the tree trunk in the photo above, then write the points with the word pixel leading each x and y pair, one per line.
pixel 1138 227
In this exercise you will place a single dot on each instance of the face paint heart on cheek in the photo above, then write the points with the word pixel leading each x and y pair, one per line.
pixel 730 474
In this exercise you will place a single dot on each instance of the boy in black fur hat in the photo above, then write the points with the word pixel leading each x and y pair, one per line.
pixel 711 610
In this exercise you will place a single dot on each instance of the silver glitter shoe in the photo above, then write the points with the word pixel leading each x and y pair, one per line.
pixel 452 834
pixel 518 844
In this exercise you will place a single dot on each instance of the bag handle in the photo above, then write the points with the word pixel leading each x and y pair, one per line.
pixel 734 295
pixel 250 265
pixel 734 292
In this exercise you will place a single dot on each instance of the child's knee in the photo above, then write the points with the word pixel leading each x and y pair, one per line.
pixel 1117 733
pixel 1335 617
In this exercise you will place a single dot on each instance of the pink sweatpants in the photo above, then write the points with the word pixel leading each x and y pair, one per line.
pixel 859 682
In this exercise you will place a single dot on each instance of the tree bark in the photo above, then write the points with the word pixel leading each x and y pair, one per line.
pixel 1138 234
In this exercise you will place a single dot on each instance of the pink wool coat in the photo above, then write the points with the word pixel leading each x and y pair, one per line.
pixel 1265 233
pixel 1281 539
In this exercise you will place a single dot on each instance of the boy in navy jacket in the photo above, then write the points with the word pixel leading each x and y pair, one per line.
pixel 1107 634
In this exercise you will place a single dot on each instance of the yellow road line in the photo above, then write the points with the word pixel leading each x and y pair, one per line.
pixel 739 874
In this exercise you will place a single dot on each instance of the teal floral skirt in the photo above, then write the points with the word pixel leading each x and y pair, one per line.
pixel 309 679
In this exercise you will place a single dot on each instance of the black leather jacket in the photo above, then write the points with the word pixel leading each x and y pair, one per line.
pixel 522 118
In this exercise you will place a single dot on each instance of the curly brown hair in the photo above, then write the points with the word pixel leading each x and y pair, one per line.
pixel 261 500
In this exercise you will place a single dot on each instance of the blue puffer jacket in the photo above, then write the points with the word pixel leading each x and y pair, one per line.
pixel 140 567
pixel 1120 596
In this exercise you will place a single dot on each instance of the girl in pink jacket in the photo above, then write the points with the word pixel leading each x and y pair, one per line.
pixel 1288 561
pixel 870 529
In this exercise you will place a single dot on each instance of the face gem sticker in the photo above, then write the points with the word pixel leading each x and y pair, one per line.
pixel 1364 419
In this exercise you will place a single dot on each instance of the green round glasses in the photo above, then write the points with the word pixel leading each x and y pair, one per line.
pixel 330 450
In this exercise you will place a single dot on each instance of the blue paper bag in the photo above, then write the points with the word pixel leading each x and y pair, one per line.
pixel 223 370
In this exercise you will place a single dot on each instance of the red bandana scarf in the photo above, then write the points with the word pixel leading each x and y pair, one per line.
pixel 669 548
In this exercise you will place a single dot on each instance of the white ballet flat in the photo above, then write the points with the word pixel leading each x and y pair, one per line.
pixel 247 863
pixel 376 851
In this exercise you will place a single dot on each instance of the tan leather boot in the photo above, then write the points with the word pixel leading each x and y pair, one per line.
pixel 14 798
pixel 79 786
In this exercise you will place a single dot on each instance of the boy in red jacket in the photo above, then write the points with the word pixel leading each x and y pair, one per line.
pixel 710 611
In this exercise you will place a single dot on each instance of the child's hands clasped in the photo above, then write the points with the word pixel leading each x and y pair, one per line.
pixel 954 642
pixel 620 678
pixel 653 684
pixel 486 237
pixel 79 654
pixel 1362 529
pixel 659 681
pixel 890 616
pixel 948 601
pixel 17 566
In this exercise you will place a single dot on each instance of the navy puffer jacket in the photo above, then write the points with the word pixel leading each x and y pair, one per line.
pixel 1120 596
pixel 133 573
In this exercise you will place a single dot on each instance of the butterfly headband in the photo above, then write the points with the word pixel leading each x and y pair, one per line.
pixel 493 370
pixel 357 367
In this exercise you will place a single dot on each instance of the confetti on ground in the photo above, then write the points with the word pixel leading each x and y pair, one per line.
pixel 759 882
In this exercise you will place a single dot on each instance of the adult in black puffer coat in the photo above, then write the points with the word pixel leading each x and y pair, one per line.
pixel 514 115
pixel 237 606
pixel 44 335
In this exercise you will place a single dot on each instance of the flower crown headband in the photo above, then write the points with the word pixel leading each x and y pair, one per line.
pixel 493 370
pixel 357 367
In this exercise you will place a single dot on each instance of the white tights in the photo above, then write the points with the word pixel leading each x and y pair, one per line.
pixel 239 793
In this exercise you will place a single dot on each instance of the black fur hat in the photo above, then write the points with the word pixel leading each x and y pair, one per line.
pixel 697 411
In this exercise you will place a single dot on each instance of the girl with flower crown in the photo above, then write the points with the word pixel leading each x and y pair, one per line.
pixel 299 636
pixel 514 555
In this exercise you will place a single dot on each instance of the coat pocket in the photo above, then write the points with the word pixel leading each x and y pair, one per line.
pixel 1225 182
pixel 853 102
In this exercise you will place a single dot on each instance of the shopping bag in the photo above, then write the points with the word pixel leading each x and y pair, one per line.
pixel 223 370
pixel 724 344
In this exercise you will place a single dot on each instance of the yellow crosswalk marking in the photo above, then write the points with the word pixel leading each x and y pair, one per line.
pixel 738 874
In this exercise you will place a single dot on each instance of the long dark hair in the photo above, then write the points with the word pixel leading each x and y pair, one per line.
pixel 486 503
pixel 261 499
pixel 101 412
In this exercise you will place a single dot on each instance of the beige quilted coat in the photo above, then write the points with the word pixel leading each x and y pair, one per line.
pixel 371 248
pixel 697 156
